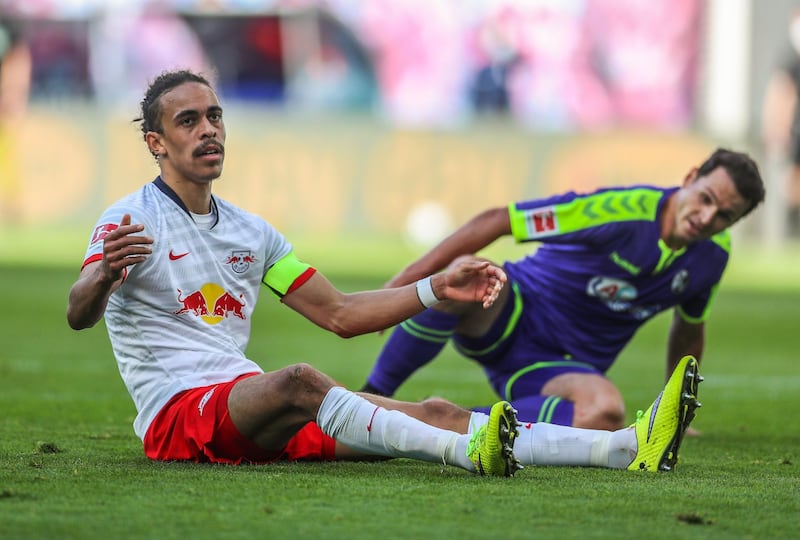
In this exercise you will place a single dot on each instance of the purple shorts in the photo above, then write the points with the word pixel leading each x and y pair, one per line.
pixel 516 367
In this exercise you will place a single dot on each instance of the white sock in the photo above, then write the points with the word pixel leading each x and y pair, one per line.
pixel 363 426
pixel 551 444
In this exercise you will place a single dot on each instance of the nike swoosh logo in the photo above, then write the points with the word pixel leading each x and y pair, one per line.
pixel 174 257
pixel 653 415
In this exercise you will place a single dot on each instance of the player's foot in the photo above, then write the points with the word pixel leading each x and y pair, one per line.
pixel 491 448
pixel 660 430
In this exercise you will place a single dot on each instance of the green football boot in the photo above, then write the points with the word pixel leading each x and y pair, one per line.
pixel 491 448
pixel 660 429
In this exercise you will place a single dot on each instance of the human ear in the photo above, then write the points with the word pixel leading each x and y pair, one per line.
pixel 154 144
pixel 690 177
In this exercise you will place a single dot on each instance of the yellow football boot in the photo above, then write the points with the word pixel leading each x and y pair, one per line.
pixel 660 429
pixel 491 448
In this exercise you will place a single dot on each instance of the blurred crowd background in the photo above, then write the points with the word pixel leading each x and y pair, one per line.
pixel 399 115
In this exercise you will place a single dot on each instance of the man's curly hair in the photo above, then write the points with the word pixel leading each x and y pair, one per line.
pixel 150 112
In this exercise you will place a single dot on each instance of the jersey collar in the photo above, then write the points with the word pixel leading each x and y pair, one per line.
pixel 169 192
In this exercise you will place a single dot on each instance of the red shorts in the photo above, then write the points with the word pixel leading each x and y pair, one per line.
pixel 195 426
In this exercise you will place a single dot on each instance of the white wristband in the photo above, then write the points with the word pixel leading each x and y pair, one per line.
pixel 425 292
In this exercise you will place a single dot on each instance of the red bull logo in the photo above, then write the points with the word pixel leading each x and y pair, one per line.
pixel 240 260
pixel 211 303
pixel 228 305
pixel 194 303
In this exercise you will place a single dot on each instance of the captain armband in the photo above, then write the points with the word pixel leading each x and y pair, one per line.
pixel 287 274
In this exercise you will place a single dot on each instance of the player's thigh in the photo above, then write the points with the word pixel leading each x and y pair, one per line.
pixel 598 402
pixel 270 408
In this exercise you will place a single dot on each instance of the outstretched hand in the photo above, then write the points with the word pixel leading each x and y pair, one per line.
pixel 470 279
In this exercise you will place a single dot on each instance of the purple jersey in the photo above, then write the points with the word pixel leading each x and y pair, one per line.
pixel 602 270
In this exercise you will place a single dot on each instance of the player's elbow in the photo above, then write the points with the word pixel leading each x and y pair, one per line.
pixel 343 318
pixel 341 325
pixel 77 324
pixel 343 331
pixel 78 321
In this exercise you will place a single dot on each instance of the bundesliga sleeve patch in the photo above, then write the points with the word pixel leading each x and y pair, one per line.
pixel 535 223
pixel 101 231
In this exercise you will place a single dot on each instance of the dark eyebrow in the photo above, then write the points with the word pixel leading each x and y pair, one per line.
pixel 726 212
pixel 193 112
pixel 186 113
pixel 712 194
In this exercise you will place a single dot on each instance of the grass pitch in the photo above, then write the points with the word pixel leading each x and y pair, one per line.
pixel 71 467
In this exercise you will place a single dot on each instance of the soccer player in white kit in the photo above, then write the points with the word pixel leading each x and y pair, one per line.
pixel 176 272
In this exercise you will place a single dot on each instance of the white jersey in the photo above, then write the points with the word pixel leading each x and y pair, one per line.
pixel 181 318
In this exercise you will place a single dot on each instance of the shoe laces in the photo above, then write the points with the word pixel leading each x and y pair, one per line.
pixel 639 415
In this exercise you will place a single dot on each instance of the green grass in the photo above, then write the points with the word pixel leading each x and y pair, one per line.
pixel 71 467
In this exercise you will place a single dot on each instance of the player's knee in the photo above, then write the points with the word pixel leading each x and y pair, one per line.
pixel 611 418
pixel 437 407
pixel 300 382
pixel 442 413
pixel 602 414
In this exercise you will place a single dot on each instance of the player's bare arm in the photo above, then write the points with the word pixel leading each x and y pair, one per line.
pixel 689 338
pixel 89 295
pixel 473 236
pixel 466 280
pixel 684 338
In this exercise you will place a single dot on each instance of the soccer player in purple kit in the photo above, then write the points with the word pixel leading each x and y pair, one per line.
pixel 607 262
